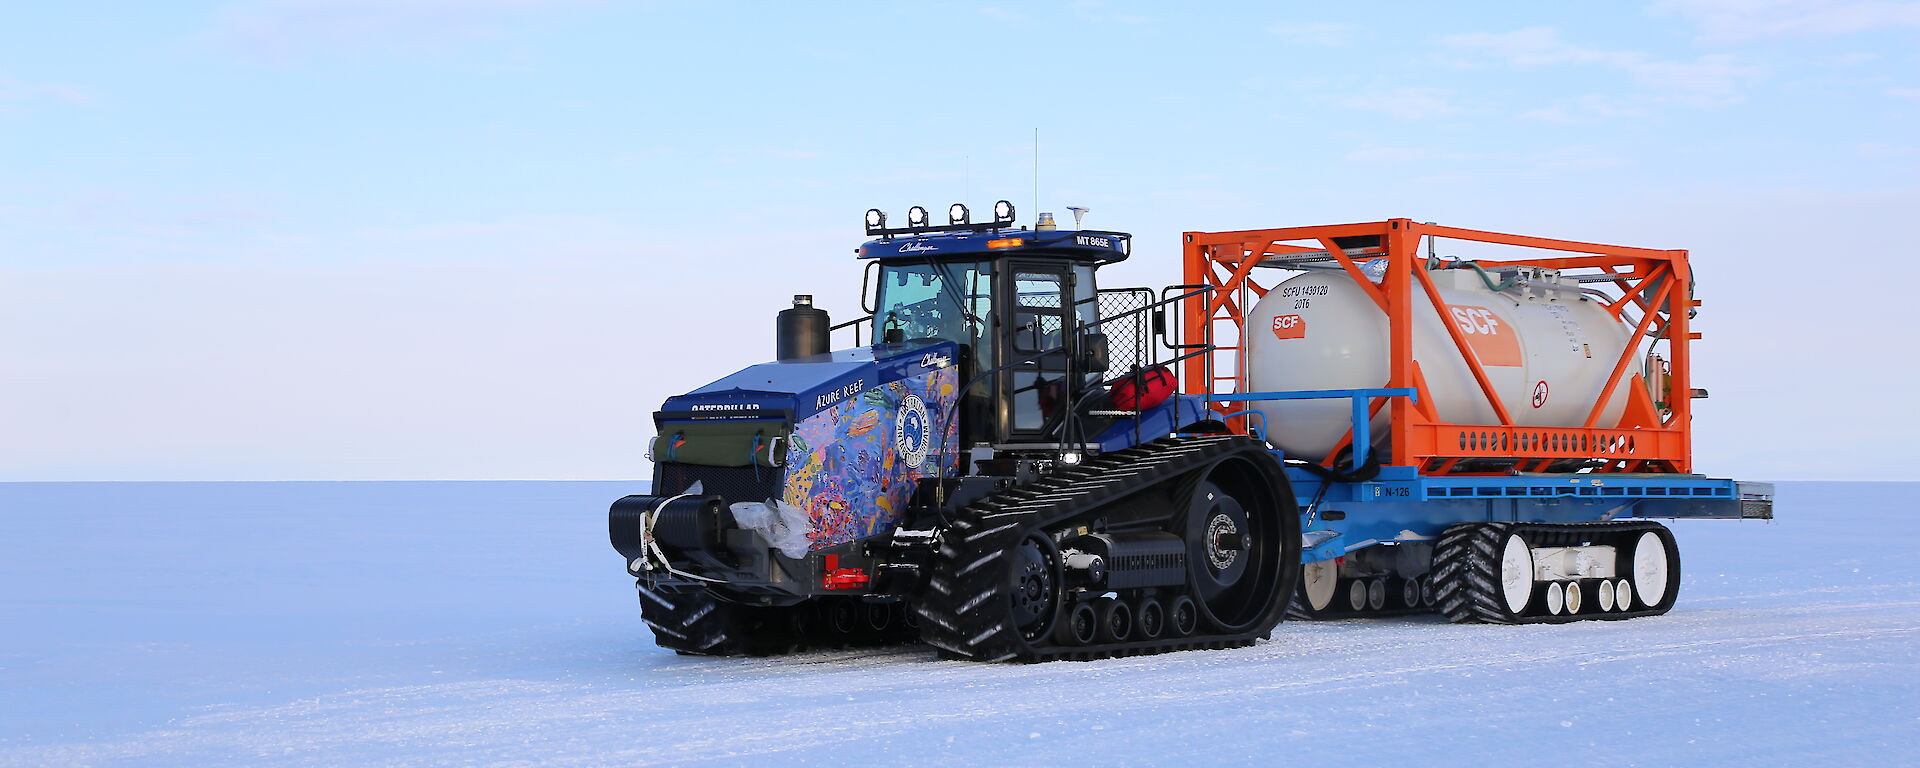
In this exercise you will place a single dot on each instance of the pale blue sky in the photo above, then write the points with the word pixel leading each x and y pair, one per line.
pixel 484 238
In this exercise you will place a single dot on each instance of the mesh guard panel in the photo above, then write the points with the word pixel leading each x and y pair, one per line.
pixel 735 484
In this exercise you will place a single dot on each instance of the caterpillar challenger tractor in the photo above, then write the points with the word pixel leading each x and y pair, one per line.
pixel 1016 464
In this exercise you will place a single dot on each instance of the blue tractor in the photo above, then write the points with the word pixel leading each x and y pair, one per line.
pixel 1001 466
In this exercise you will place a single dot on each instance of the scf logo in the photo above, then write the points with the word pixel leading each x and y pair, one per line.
pixel 1289 327
pixel 1484 332
pixel 1476 320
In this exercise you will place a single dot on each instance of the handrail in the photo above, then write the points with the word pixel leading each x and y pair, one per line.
pixel 1362 437
pixel 854 324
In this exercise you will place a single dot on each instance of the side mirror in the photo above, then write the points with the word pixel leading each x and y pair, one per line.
pixel 1094 353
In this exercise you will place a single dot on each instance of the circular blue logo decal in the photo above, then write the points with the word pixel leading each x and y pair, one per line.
pixel 912 431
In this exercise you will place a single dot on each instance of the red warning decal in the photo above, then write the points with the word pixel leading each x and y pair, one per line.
pixel 1539 394
pixel 1289 327
pixel 1492 341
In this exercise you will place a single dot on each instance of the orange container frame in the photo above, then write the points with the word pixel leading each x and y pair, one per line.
pixel 1648 437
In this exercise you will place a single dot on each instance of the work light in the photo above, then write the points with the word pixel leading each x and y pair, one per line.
pixel 876 219
pixel 916 216
pixel 1003 212
pixel 958 214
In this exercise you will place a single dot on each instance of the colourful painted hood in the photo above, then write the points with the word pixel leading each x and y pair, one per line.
pixel 798 389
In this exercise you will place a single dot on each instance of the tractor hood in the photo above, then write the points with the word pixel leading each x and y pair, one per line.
pixel 793 390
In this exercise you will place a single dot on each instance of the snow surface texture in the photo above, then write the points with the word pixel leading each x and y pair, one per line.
pixel 489 623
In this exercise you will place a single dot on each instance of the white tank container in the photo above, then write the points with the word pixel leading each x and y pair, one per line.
pixel 1547 349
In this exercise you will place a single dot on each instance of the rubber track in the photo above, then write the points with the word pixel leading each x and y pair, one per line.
pixel 698 623
pixel 963 609
pixel 1466 569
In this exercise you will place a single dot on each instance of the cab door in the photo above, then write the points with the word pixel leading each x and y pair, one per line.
pixel 1037 323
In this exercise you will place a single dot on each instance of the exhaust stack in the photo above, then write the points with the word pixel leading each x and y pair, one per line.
pixel 801 330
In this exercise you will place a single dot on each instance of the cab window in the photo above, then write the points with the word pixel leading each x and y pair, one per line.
pixel 941 300
pixel 1037 327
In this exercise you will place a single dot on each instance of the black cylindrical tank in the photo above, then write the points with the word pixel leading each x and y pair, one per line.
pixel 802 330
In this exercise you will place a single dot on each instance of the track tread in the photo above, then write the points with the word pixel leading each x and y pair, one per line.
pixel 961 631
pixel 1466 568
pixel 697 623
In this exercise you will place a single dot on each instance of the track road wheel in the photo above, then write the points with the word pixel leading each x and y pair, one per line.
pixel 1183 617
pixel 1081 625
pixel 1482 573
pixel 1149 619
pixel 843 617
pixel 1116 621
pixel 1243 548
pixel 1653 569
pixel 698 623
pixel 879 617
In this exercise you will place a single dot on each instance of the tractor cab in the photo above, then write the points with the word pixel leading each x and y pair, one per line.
pixel 1022 304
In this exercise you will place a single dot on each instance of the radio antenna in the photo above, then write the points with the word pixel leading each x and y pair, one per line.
pixel 1036 171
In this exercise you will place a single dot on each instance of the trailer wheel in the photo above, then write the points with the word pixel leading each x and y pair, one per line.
pixel 1410 592
pixel 1651 571
pixel 1319 581
pixel 1650 568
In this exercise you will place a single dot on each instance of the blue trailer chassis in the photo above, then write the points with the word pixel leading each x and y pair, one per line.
pixel 1402 505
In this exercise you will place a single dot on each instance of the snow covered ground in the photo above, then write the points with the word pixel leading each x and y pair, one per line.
pixel 489 623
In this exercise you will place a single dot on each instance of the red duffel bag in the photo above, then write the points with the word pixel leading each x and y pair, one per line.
pixel 1149 388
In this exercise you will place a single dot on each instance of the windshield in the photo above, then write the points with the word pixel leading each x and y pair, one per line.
pixel 941 300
